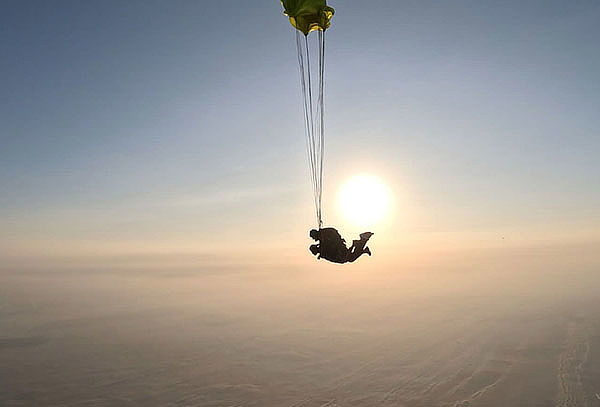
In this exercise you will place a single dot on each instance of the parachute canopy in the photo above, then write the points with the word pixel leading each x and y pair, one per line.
pixel 308 15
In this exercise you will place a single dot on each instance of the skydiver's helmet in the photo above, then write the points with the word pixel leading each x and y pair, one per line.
pixel 315 249
pixel 314 234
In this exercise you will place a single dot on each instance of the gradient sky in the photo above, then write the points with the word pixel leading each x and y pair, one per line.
pixel 173 128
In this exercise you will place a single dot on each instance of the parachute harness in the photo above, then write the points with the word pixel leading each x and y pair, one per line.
pixel 313 108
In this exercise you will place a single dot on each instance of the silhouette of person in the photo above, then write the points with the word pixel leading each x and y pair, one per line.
pixel 332 246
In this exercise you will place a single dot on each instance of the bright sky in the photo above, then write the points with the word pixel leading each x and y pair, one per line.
pixel 157 128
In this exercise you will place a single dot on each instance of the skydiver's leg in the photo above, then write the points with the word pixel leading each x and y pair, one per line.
pixel 356 254
pixel 360 244
pixel 359 248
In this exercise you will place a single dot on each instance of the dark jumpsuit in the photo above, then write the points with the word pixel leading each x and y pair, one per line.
pixel 333 246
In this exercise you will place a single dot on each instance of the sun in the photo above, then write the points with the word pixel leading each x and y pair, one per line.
pixel 364 200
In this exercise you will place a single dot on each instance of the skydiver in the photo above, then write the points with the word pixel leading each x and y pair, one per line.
pixel 332 246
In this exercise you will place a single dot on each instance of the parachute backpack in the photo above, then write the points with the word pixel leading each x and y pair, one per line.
pixel 307 16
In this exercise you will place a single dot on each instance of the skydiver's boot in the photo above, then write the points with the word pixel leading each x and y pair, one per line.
pixel 366 235
pixel 367 250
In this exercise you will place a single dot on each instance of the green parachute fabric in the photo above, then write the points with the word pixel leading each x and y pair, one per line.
pixel 307 16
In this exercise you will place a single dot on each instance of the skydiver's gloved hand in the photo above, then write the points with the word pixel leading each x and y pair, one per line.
pixel 315 250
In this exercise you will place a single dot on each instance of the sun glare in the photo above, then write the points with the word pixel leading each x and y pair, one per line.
pixel 364 200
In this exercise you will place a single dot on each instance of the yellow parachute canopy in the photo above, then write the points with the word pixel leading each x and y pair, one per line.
pixel 308 15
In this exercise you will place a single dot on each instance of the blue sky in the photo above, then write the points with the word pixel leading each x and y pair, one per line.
pixel 176 125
